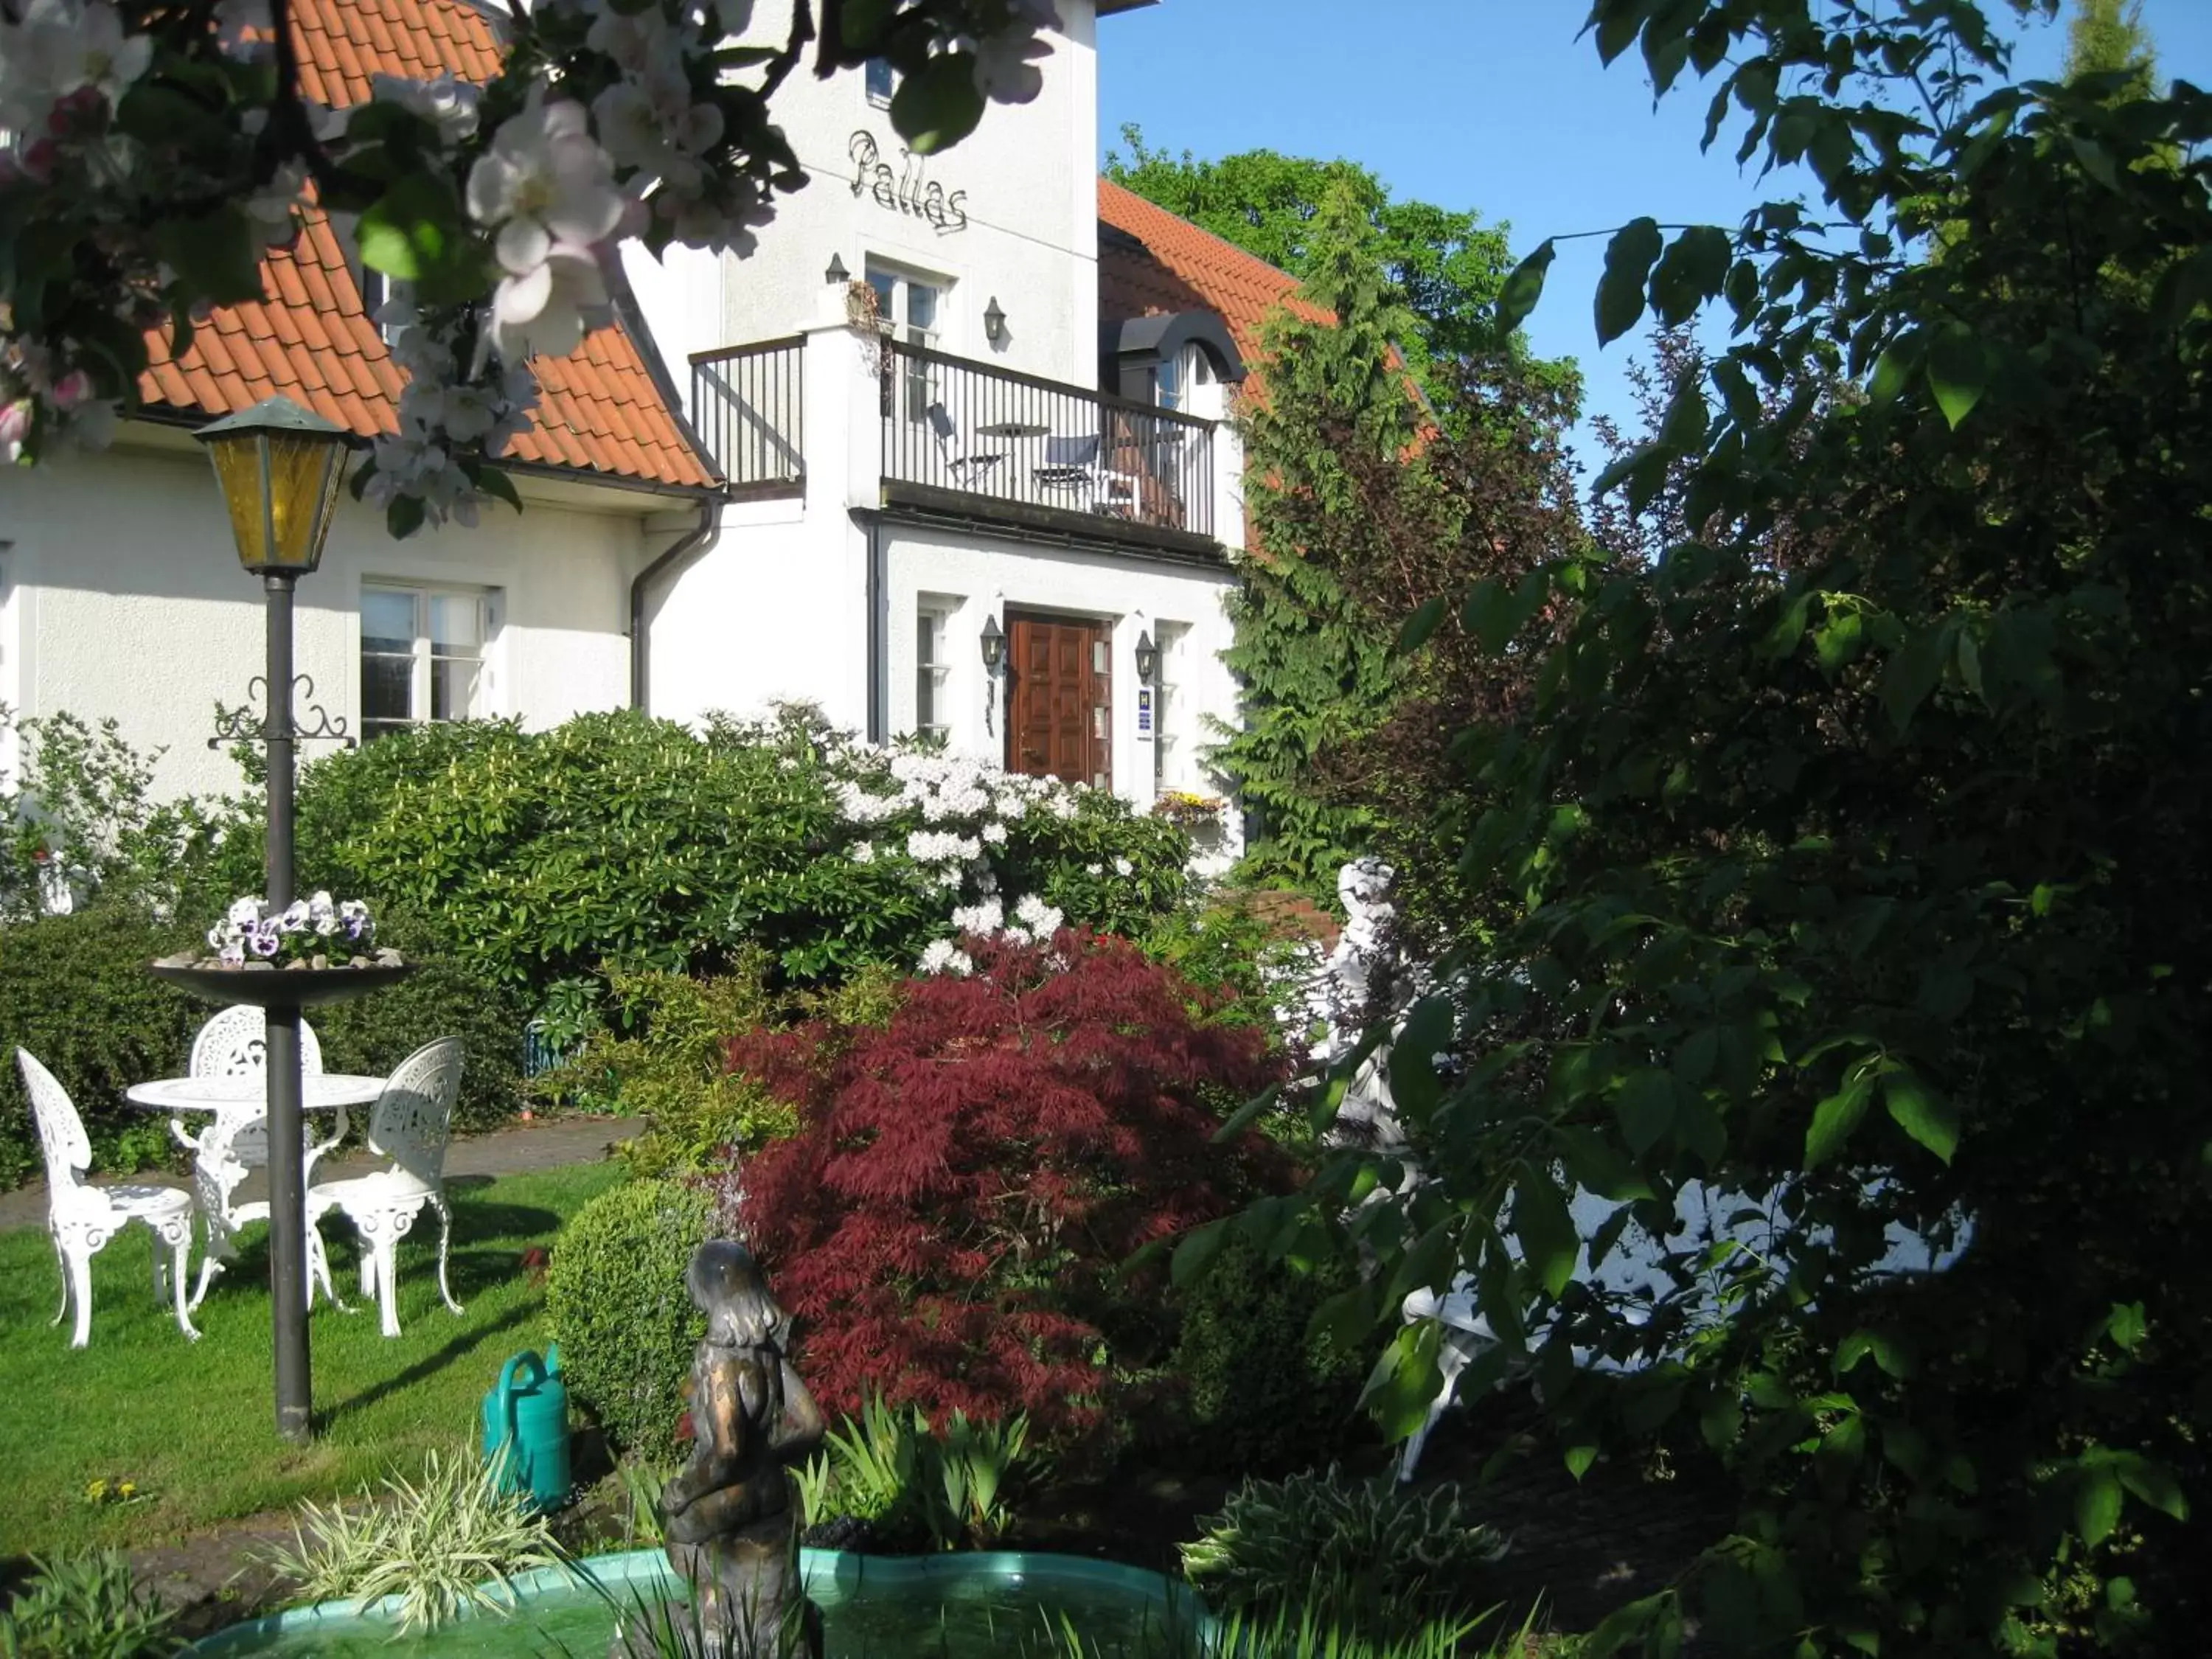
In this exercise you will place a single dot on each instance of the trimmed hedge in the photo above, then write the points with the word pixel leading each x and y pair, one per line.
pixel 615 1295
pixel 1262 1394
pixel 75 991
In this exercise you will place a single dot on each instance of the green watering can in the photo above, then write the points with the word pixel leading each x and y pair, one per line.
pixel 526 1422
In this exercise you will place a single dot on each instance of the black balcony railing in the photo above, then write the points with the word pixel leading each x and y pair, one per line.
pixel 749 408
pixel 952 424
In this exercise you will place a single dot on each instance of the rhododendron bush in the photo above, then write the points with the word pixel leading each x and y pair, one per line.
pixel 619 842
pixel 970 1178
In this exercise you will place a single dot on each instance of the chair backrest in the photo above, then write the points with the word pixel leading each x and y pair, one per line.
pixel 61 1131
pixel 235 1044
pixel 940 422
pixel 414 1115
pixel 1071 451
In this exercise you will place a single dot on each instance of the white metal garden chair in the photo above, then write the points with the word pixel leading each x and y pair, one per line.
pixel 234 1043
pixel 411 1124
pixel 82 1218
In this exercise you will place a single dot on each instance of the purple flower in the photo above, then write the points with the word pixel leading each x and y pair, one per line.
pixel 264 938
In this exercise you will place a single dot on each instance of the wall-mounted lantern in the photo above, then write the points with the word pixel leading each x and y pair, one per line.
pixel 994 644
pixel 1148 657
pixel 836 276
pixel 994 323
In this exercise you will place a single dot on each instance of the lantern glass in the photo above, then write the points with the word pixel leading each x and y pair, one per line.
pixel 279 470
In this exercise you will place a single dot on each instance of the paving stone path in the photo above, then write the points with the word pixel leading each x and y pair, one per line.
pixel 518 1149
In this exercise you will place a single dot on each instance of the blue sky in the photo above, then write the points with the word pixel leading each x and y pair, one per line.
pixel 1493 104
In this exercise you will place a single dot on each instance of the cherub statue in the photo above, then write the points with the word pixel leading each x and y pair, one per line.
pixel 731 1526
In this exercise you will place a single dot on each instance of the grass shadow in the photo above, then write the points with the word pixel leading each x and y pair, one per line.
pixel 463 1343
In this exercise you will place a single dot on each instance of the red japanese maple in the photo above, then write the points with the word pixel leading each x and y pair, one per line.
pixel 966 1179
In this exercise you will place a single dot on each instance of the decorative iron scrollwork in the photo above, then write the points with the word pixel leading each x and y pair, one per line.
pixel 242 724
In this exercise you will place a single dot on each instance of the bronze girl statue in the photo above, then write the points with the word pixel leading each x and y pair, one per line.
pixel 731 1526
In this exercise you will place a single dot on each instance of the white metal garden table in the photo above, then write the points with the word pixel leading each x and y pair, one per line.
pixel 320 1092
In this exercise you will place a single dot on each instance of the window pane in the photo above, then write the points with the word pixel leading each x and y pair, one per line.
pixel 453 688
pixel 922 306
pixel 387 689
pixel 925 637
pixel 879 79
pixel 388 620
pixel 925 701
pixel 456 623
pixel 886 288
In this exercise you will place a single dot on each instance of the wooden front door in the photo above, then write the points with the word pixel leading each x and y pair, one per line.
pixel 1060 699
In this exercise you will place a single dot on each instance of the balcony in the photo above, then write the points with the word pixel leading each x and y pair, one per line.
pixel 966 439
pixel 749 408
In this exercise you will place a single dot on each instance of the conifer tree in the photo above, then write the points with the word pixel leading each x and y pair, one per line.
pixel 1314 664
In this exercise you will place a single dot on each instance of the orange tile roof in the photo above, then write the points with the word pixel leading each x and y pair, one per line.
pixel 1179 267
pixel 310 339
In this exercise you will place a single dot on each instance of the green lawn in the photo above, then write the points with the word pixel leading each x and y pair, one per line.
pixel 193 1423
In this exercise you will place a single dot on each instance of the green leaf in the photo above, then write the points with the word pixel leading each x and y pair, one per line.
pixel 1912 673
pixel 1546 1229
pixel 1415 631
pixel 1613 475
pixel 1244 1116
pixel 1628 260
pixel 2128 1325
pixel 1690 274
pixel 1196 1251
pixel 1886 1352
pixel 1404 1380
pixel 1579 1459
pixel 1687 419
pixel 1893 370
pixel 1426 1034
pixel 2151 1483
pixel 494 480
pixel 216 255
pixel 2097 1505
pixel 1834 1119
pixel 1922 1113
pixel 1646 1108
pixel 1524 288
pixel 1595 1163
pixel 1958 372
pixel 938 105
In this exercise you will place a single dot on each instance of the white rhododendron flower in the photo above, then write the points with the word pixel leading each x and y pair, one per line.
pixel 944 957
pixel 863 852
pixel 447 104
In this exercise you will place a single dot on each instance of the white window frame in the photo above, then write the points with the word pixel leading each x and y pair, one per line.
pixel 894 310
pixel 933 667
pixel 424 654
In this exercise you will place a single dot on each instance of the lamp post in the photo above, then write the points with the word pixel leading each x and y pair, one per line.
pixel 279 466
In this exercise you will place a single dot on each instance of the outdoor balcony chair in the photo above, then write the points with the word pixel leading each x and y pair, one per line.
pixel 82 1218
pixel 411 1124
pixel 236 1143
pixel 1072 463
pixel 964 469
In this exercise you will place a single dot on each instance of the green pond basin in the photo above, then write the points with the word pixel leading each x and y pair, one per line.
pixel 989 1605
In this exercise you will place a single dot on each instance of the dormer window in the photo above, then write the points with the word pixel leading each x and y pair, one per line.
pixel 883 80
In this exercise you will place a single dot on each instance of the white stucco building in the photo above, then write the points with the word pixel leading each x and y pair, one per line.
pixel 945 455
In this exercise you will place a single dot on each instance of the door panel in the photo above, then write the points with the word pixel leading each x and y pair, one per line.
pixel 1060 701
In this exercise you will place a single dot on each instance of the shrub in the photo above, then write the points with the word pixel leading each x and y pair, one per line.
pixel 1261 1393
pixel 968 1177
pixel 617 841
pixel 1364 1555
pixel 86 1606
pixel 75 991
pixel 81 818
pixel 661 1056
pixel 434 1542
pixel 443 997
pixel 615 1294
